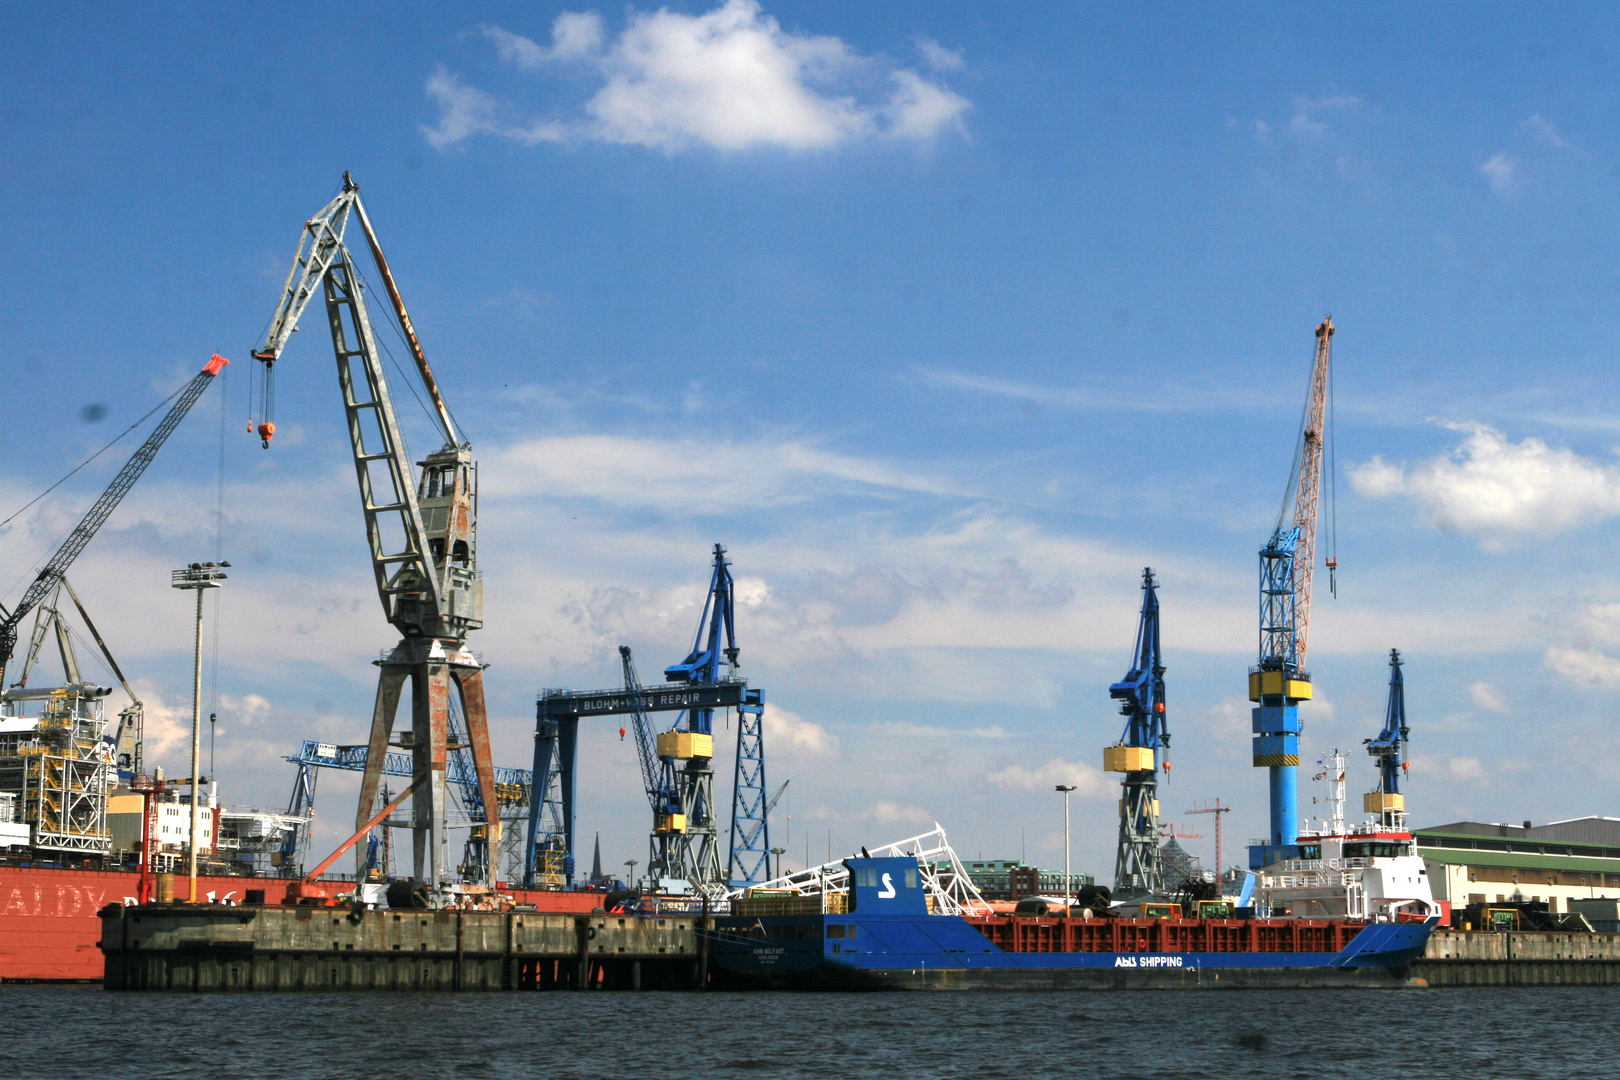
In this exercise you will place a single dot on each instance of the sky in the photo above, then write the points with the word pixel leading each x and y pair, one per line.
pixel 946 319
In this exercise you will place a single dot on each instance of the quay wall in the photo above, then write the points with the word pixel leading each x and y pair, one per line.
pixel 283 948
pixel 1519 958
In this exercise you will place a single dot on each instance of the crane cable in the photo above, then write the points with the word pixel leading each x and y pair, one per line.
pixel 58 542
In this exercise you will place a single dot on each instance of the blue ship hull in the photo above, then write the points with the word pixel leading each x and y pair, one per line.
pixel 946 952
pixel 890 941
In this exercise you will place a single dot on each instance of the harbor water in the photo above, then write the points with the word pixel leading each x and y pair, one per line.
pixel 82 1031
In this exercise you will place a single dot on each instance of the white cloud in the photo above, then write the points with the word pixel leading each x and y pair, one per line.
pixel 1090 783
pixel 889 812
pixel 1500 170
pixel 730 79
pixel 1489 484
pixel 937 56
pixel 629 471
pixel 1169 399
pixel 1542 130
pixel 1307 122
pixel 1485 696
pixel 1585 666
pixel 904 730
pixel 465 111
pixel 1466 769
pixel 574 35
pixel 789 731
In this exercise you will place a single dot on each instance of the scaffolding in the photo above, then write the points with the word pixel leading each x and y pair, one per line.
pixel 57 765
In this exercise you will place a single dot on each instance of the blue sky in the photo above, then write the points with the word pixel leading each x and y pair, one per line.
pixel 947 319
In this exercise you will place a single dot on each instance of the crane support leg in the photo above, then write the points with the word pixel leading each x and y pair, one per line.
pixel 390 684
pixel 470 681
pixel 1276 749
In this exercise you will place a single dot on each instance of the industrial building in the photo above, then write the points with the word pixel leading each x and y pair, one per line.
pixel 1472 862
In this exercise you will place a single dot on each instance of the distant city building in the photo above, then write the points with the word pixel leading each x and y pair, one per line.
pixel 1472 862
pixel 1008 879
pixel 1179 864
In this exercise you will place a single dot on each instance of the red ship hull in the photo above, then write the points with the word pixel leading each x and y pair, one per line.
pixel 49 928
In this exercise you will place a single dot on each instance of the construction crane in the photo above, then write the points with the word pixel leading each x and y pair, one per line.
pixel 1217 808
pixel 1140 753
pixel 1389 750
pixel 51 575
pixel 422 535
pixel 1279 680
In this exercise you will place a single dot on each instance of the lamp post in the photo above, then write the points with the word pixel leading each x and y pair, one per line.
pixel 631 863
pixel 1068 882
pixel 778 852
pixel 196 577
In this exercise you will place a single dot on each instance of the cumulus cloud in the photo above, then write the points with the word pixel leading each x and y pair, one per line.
pixel 1090 783
pixel 1490 484
pixel 1536 141
pixel 789 731
pixel 889 812
pixel 730 78
pixel 1485 696
pixel 1585 666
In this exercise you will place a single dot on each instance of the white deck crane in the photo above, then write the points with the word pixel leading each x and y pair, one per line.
pixel 423 536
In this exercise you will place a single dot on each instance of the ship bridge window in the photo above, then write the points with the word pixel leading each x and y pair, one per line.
pixel 1310 851
pixel 1376 850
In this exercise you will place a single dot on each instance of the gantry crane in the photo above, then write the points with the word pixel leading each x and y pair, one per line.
pixel 51 576
pixel 1389 750
pixel 1140 753
pixel 1279 681
pixel 423 535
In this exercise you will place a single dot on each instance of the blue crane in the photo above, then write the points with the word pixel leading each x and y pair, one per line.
pixel 686 840
pixel 1389 750
pixel 513 787
pixel 1279 681
pixel 1140 753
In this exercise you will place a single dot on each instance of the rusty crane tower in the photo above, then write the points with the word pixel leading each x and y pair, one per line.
pixel 423 535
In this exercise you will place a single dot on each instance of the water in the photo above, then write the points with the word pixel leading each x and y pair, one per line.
pixel 72 1032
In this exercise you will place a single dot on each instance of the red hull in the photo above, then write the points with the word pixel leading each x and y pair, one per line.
pixel 49 929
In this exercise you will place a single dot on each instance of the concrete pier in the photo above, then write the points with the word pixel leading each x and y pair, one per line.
pixel 1519 958
pixel 266 948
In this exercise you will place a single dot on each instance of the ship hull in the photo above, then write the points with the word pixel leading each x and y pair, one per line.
pixel 947 952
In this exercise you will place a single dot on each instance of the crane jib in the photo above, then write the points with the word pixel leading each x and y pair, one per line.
pixel 104 506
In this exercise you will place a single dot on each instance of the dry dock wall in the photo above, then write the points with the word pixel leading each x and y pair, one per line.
pixel 1519 958
pixel 334 948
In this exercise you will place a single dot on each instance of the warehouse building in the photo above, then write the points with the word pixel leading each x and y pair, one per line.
pixel 1472 862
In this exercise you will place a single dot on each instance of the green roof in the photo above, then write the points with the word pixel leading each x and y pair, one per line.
pixel 1472 857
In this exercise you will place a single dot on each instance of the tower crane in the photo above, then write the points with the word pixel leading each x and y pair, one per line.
pixel 1389 750
pixel 1279 681
pixel 51 576
pixel 1141 752
pixel 422 535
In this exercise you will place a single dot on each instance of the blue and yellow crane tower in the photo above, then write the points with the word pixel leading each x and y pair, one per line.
pixel 1279 681
pixel 1389 750
pixel 1140 753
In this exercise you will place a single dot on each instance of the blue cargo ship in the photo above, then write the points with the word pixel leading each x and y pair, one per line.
pixel 886 924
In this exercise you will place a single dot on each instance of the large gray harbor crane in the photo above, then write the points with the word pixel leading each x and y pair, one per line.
pixel 422 535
